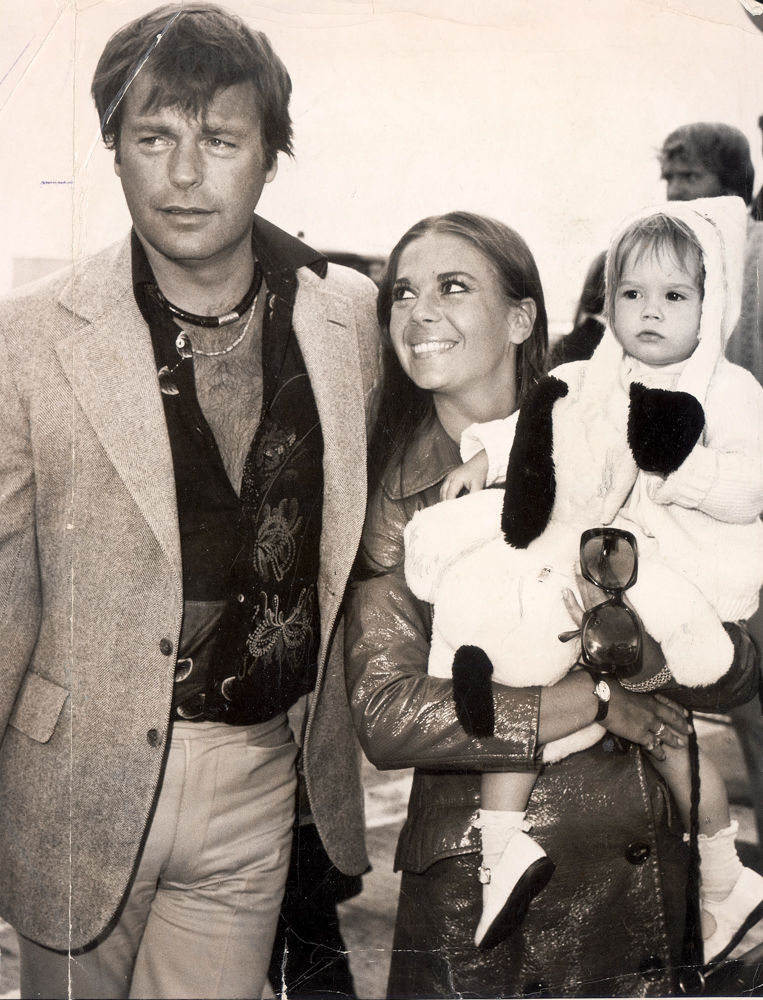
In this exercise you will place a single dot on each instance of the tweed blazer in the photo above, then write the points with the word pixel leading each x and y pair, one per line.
pixel 91 596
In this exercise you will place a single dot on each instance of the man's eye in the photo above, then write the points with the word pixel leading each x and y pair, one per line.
pixel 216 143
pixel 401 292
pixel 152 141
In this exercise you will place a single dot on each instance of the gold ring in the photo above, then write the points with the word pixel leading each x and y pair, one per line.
pixel 660 730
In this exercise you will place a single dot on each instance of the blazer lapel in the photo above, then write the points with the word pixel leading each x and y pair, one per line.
pixel 324 324
pixel 109 362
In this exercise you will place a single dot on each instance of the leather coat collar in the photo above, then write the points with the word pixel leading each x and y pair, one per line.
pixel 429 458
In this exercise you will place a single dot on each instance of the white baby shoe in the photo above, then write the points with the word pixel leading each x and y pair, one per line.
pixel 522 871
pixel 743 907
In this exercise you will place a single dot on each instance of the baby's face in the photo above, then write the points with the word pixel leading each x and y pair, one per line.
pixel 657 310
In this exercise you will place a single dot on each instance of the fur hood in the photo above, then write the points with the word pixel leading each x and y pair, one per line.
pixel 720 225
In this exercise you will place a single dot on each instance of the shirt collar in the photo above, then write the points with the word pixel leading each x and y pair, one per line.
pixel 280 256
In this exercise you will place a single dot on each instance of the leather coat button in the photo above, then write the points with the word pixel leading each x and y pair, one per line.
pixel 165 646
pixel 651 967
pixel 637 852
pixel 153 737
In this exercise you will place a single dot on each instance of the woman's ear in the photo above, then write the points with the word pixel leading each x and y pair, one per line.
pixel 522 320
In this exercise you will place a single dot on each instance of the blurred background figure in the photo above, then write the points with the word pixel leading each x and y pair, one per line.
pixel 705 160
pixel 588 326
pixel 757 205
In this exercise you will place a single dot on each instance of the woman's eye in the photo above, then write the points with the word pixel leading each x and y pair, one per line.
pixel 401 292
pixel 449 287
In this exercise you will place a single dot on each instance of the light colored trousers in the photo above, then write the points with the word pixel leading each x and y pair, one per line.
pixel 200 918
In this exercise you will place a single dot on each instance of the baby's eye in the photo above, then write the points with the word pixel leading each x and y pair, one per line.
pixel 400 292
pixel 630 293
pixel 675 297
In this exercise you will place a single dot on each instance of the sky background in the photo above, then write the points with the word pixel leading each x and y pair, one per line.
pixel 544 113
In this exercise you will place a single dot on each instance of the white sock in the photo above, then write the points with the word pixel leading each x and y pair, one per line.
pixel 498 827
pixel 720 866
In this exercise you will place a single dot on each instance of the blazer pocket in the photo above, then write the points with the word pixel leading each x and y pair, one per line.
pixel 38 707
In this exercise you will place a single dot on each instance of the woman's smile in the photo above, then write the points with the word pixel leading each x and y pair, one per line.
pixel 429 347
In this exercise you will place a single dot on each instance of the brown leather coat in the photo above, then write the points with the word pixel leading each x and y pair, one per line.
pixel 610 922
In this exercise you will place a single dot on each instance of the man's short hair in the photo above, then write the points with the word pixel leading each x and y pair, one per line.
pixel 721 149
pixel 202 49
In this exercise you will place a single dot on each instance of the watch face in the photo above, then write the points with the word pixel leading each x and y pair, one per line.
pixel 602 691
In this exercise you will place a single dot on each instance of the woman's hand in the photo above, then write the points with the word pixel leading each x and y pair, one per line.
pixel 646 719
pixel 641 718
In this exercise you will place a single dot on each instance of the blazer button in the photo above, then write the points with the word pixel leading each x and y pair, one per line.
pixel 637 852
pixel 165 646
pixel 153 737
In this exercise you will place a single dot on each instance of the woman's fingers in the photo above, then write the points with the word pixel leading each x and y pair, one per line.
pixel 664 700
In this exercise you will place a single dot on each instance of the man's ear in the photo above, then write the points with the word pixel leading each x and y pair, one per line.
pixel 522 320
pixel 272 171
pixel 117 163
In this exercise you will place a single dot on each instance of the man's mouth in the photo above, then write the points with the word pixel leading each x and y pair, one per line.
pixel 432 347
pixel 180 210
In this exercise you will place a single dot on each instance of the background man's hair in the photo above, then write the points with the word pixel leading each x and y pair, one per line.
pixel 669 239
pixel 202 49
pixel 721 149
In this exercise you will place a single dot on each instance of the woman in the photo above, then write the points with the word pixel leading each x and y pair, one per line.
pixel 463 309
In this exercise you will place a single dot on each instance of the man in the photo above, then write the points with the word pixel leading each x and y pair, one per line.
pixel 705 160
pixel 182 493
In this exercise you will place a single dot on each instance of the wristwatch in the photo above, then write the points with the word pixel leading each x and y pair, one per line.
pixel 603 693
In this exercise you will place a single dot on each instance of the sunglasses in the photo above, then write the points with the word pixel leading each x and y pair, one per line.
pixel 610 632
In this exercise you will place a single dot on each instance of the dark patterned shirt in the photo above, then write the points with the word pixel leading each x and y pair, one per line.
pixel 251 628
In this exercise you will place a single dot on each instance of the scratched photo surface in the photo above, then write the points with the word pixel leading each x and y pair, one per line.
pixel 546 114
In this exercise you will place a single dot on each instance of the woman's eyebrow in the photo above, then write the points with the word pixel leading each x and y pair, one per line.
pixel 453 275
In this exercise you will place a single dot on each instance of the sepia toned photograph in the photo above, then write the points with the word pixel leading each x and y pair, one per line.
pixel 381 403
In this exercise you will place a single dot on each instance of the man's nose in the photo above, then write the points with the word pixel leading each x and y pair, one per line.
pixel 185 165
pixel 677 190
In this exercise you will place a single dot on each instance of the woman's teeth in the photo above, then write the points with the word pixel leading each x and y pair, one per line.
pixel 432 347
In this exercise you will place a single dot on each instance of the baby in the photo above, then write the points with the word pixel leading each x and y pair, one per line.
pixel 690 494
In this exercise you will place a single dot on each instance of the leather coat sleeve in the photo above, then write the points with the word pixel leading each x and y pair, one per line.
pixel 405 718
pixel 738 685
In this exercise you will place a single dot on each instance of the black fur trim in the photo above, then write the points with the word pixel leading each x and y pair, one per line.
pixel 663 427
pixel 530 480
pixel 472 691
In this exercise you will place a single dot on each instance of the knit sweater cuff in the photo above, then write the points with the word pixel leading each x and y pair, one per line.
pixel 689 485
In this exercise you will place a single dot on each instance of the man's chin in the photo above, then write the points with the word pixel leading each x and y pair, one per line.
pixel 190 249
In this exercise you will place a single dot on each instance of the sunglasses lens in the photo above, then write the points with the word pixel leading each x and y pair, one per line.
pixel 611 639
pixel 609 560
